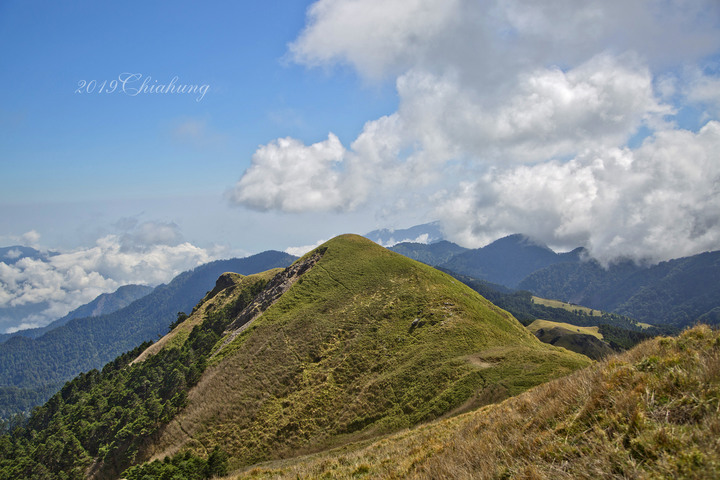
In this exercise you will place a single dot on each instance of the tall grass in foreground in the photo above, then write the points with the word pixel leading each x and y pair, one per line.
pixel 653 412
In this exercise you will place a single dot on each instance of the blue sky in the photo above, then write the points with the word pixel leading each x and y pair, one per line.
pixel 577 123
pixel 84 149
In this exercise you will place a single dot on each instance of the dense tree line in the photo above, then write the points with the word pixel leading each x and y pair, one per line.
pixel 31 370
pixel 182 466
pixel 100 419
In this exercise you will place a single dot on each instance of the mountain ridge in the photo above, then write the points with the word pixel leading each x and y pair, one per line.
pixel 320 364
pixel 103 304
pixel 508 260
pixel 32 369
pixel 675 292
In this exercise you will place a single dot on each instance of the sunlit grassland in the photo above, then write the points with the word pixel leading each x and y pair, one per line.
pixel 566 306
pixel 367 342
pixel 652 412
pixel 546 324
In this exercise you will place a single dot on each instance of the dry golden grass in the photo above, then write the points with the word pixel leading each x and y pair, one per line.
pixel 653 412
pixel 566 306
pixel 367 342
pixel 538 324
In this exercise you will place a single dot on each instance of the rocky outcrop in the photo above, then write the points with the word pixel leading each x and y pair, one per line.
pixel 274 289
pixel 226 280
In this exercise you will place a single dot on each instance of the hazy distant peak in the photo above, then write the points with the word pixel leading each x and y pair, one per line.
pixel 426 233
pixel 15 253
pixel 518 240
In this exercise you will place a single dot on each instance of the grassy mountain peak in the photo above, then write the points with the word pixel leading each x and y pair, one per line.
pixel 349 342
pixel 362 342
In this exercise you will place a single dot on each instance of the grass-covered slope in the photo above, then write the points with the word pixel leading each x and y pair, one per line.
pixel 546 324
pixel 363 343
pixel 98 422
pixel 585 340
pixel 651 412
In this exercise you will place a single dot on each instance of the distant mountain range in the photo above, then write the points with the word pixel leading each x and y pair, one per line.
pixel 102 305
pixel 509 260
pixel 35 363
pixel 677 292
pixel 506 261
pixel 426 233
pixel 32 369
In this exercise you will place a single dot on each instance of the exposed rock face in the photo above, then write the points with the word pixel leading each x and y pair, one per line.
pixel 225 280
pixel 279 284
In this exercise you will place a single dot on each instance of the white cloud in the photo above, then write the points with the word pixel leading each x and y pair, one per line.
pixel 300 251
pixel 515 116
pixel 494 39
pixel 12 254
pixel 422 238
pixel 148 253
pixel 548 113
pixel 30 238
pixel 373 36
pixel 658 202
pixel 287 175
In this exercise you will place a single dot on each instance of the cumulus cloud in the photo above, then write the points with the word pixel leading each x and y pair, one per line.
pixel 548 113
pixel 30 238
pixel 373 36
pixel 149 253
pixel 515 117
pixel 659 201
pixel 488 39
pixel 287 175
pixel 12 254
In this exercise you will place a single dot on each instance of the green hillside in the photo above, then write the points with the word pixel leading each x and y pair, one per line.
pixel 364 343
pixel 648 413
pixel 350 342
pixel 584 340
pixel 540 324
